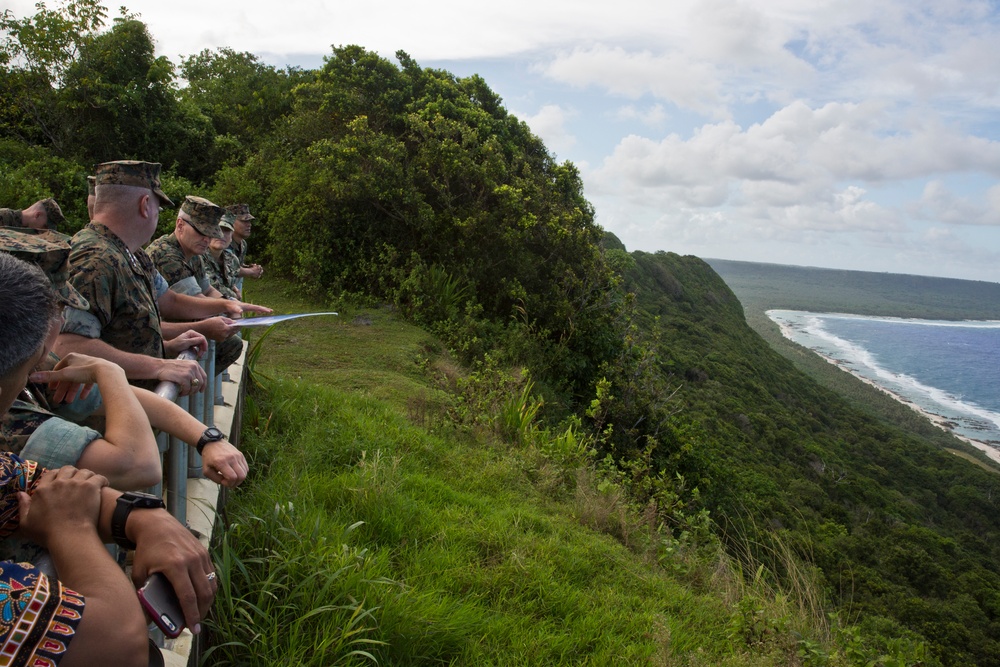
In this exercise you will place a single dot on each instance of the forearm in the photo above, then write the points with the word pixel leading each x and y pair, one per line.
pixel 126 422
pixel 112 608
pixel 127 454
pixel 182 307
pixel 169 417
pixel 172 330
pixel 136 366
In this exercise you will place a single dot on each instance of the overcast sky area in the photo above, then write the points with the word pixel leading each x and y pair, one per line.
pixel 845 134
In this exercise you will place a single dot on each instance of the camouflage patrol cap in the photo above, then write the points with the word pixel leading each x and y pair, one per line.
pixel 203 215
pixel 131 172
pixel 49 251
pixel 91 186
pixel 10 217
pixel 240 211
pixel 53 214
pixel 227 221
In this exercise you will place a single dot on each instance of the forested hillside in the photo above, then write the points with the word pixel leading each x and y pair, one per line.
pixel 383 183
pixel 763 286
pixel 905 534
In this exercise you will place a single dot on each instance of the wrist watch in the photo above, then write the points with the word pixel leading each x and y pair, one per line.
pixel 123 507
pixel 211 434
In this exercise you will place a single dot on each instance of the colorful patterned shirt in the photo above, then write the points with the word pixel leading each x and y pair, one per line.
pixel 38 615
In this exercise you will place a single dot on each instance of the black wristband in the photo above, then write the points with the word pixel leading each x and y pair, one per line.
pixel 211 434
pixel 123 507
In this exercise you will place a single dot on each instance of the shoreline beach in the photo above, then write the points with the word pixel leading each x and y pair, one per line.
pixel 941 422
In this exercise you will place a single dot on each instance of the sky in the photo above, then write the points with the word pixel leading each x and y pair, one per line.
pixel 845 134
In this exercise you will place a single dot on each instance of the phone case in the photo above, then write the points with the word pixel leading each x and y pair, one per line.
pixel 160 602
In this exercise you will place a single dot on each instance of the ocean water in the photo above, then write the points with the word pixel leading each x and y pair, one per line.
pixel 948 369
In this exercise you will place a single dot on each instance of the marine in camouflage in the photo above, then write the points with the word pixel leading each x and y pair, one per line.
pixel 118 285
pixel 222 273
pixel 186 276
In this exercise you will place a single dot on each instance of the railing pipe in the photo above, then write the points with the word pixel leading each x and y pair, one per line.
pixel 175 477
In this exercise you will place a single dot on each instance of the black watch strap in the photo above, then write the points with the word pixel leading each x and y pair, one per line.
pixel 211 434
pixel 123 507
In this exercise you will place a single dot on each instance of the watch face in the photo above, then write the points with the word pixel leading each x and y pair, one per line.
pixel 212 433
pixel 142 500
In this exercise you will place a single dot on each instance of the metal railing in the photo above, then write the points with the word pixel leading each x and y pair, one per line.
pixel 181 460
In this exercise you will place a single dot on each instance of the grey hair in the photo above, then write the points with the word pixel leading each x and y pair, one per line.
pixel 27 302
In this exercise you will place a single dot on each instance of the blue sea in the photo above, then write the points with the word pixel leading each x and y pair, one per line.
pixel 950 370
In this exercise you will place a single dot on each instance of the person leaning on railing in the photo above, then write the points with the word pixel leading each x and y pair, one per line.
pixel 42 423
pixel 90 615
pixel 126 451
pixel 114 274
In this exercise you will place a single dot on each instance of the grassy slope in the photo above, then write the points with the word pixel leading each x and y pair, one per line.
pixel 463 557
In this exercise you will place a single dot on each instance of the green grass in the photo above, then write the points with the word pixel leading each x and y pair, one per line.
pixel 374 528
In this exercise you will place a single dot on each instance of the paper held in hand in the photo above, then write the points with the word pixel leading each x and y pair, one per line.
pixel 273 319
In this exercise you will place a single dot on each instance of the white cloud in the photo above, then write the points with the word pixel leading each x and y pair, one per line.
pixel 671 76
pixel 653 116
pixel 550 124
pixel 941 205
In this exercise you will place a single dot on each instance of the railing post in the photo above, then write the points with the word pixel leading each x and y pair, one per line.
pixel 201 410
pixel 175 476
pixel 177 473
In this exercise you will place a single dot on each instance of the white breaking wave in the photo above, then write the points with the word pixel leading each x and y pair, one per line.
pixel 808 330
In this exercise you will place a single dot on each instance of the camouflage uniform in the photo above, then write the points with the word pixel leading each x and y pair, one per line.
pixel 120 288
pixel 188 276
pixel 185 276
pixel 10 217
pixel 238 250
pixel 222 273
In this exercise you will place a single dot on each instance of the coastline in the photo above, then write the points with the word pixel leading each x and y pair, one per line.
pixel 991 452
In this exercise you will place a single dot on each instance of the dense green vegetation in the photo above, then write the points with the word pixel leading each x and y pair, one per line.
pixel 761 287
pixel 554 369
pixel 764 286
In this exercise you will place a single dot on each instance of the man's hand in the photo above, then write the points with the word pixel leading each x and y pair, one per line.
pixel 189 377
pixel 164 545
pixel 256 270
pixel 217 328
pixel 77 374
pixel 186 341
pixel 237 308
pixel 224 464
pixel 64 499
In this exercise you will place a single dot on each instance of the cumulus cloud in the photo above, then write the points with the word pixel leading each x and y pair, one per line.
pixel 941 205
pixel 550 124
pixel 654 116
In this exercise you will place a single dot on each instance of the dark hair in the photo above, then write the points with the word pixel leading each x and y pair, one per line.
pixel 27 302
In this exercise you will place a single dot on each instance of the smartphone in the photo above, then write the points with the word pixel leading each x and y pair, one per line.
pixel 160 602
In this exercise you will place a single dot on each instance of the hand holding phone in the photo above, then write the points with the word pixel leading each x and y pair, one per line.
pixel 160 602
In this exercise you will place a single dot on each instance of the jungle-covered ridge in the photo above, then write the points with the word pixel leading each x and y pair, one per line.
pixel 385 183
pixel 762 286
